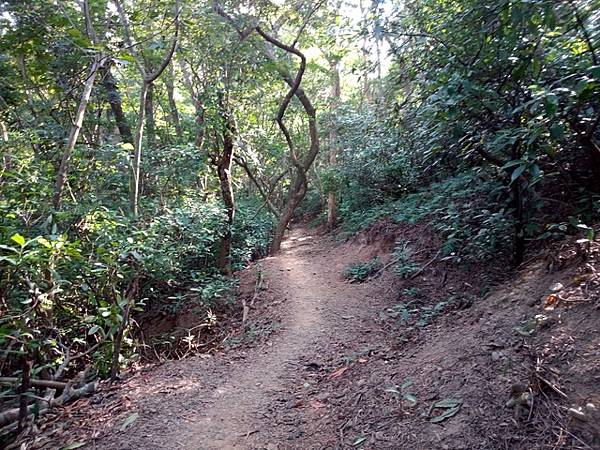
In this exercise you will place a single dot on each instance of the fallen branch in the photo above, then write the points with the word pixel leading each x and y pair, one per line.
pixel 245 306
pixel 380 271
pixel 418 272
pixel 60 385
pixel 551 386
pixel 12 415
pixel 245 310
pixel 258 286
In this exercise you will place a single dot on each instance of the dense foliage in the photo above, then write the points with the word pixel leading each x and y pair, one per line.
pixel 151 148
pixel 487 124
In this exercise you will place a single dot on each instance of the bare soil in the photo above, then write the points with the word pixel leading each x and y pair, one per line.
pixel 325 364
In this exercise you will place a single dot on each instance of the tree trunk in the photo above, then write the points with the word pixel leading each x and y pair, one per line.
pixel 25 385
pixel 75 130
pixel 225 180
pixel 134 192
pixel 114 99
pixel 150 121
pixel 295 195
pixel 333 141
pixel 172 104
pixel 147 80
pixel 299 186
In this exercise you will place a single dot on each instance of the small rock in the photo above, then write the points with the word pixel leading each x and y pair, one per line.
pixel 590 407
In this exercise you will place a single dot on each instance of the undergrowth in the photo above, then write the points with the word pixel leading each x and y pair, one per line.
pixel 471 213
pixel 359 272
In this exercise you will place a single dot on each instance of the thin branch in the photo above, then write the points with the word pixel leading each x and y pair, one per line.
pixel 293 89
pixel 586 34
pixel 128 37
pixel 167 59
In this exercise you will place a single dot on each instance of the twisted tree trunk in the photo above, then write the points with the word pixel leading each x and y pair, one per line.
pixel 300 184
pixel 224 163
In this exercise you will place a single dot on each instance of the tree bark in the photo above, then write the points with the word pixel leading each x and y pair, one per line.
pixel 224 163
pixel 295 195
pixel 150 121
pixel 25 384
pixel 114 100
pixel 333 141
pixel 136 156
pixel 3 131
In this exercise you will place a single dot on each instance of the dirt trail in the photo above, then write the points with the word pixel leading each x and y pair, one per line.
pixel 324 364
pixel 231 401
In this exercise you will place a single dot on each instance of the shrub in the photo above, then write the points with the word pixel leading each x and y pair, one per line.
pixel 361 271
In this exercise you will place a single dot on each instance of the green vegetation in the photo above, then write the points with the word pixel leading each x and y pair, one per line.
pixel 360 272
pixel 152 148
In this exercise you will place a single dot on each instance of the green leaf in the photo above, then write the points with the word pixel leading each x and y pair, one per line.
pixel 132 418
pixel 10 249
pixel 517 173
pixel 18 239
pixel 10 261
pixel 94 330
pixel 551 104
pixel 513 163
pixel 43 241
pixel 557 131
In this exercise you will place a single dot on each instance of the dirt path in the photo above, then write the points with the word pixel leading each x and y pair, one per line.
pixel 323 364
pixel 251 400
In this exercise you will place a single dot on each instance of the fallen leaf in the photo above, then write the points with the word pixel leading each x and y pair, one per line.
pixel 337 373
pixel 551 302
pixel 447 403
pixel 451 407
pixel 411 399
pixel 132 418
pixel 359 440
pixel 445 415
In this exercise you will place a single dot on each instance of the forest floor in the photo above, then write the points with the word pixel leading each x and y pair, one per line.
pixel 433 362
